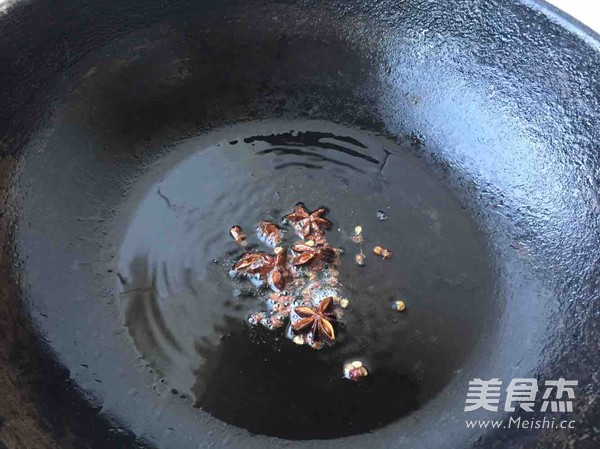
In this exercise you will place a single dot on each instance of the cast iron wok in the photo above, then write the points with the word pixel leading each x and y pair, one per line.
pixel 497 100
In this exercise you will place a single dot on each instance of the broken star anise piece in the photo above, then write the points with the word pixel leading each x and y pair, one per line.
pixel 317 320
pixel 280 274
pixel 238 235
pixel 308 225
pixel 255 263
pixel 270 269
pixel 306 253
pixel 269 233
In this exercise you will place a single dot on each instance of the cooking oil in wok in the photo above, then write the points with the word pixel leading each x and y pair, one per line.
pixel 189 319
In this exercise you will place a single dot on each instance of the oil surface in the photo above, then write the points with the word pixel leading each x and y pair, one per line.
pixel 187 317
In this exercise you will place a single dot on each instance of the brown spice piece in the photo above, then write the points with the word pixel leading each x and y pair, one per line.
pixel 305 271
pixel 269 232
pixel 305 253
pixel 238 235
pixel 272 269
pixel 276 321
pixel 357 237
pixel 317 320
pixel 254 263
pixel 383 252
pixel 280 275
pixel 360 259
pixel 308 225
pixel 355 371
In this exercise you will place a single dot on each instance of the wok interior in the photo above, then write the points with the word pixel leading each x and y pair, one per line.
pixel 188 317
pixel 513 145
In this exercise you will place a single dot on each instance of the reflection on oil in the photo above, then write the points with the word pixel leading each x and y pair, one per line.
pixel 153 304
pixel 143 317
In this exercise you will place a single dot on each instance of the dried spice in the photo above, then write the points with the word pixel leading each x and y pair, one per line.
pixel 316 320
pixel 308 253
pixel 343 302
pixel 280 275
pixel 308 225
pixel 300 282
pixel 360 258
pixel 254 263
pixel 355 371
pixel 265 269
pixel 269 233
pixel 238 235
pixel 357 237
pixel 303 280
pixel 383 252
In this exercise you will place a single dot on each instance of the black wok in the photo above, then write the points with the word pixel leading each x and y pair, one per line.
pixel 134 134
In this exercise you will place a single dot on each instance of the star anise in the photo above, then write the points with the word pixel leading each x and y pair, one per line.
pixel 308 225
pixel 318 320
pixel 307 253
pixel 268 268
pixel 269 233
pixel 300 213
